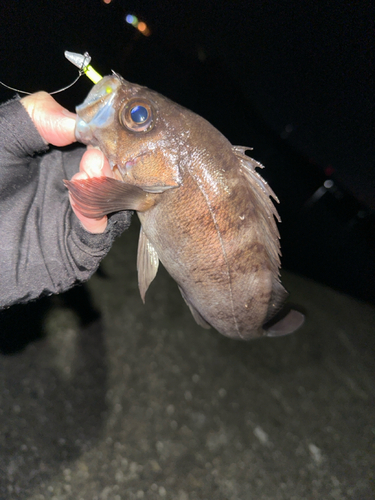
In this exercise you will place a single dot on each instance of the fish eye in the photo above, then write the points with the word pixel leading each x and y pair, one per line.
pixel 137 115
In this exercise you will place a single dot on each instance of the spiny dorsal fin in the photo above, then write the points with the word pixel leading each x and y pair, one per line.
pixel 266 209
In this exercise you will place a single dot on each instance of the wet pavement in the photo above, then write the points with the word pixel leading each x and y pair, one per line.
pixel 117 400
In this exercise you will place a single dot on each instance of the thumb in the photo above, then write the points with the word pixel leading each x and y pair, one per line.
pixel 54 123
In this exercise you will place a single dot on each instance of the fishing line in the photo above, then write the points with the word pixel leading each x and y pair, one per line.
pixel 82 62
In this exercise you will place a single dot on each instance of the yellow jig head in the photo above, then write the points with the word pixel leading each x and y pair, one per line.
pixel 83 64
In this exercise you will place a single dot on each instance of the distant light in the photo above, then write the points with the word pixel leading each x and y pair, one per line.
pixel 130 19
pixel 142 26
pixel 107 1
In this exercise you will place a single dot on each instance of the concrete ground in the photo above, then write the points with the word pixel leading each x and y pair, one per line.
pixel 102 397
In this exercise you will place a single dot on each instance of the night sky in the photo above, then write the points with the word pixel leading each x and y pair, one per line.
pixel 294 80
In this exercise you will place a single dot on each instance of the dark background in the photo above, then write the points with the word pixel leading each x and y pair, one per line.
pixel 118 397
pixel 294 80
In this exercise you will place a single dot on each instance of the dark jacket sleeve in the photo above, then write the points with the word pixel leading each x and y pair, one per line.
pixel 43 247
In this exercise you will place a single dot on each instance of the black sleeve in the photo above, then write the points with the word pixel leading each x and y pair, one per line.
pixel 43 247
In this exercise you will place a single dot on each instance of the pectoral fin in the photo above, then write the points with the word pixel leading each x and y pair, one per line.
pixel 147 263
pixel 99 196
pixel 196 315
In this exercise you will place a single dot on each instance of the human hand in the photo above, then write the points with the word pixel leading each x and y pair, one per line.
pixel 54 123
pixel 56 126
pixel 93 164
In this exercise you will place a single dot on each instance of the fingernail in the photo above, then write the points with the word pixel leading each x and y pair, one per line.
pixel 79 176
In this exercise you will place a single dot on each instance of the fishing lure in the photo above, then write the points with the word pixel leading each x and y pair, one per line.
pixel 82 62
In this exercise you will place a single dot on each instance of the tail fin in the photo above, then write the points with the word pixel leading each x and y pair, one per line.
pixel 288 324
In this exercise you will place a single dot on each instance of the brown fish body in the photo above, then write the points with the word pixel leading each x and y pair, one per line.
pixel 205 212
pixel 208 236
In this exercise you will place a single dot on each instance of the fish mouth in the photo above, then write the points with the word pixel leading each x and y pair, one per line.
pixel 96 113
pixel 97 110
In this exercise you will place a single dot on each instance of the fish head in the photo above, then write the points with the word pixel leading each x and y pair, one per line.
pixel 137 129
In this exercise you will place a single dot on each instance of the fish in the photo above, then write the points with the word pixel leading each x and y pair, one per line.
pixel 206 213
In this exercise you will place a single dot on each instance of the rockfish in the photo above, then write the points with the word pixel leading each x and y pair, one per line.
pixel 205 211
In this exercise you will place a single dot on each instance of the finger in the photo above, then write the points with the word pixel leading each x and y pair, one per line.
pixel 54 123
pixel 95 226
pixel 95 164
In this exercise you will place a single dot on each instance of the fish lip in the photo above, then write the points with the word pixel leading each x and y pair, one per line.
pixel 97 110
pixel 83 132
pixel 99 91
pixel 89 119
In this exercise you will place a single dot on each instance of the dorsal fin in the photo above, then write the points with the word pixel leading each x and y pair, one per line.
pixel 266 209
